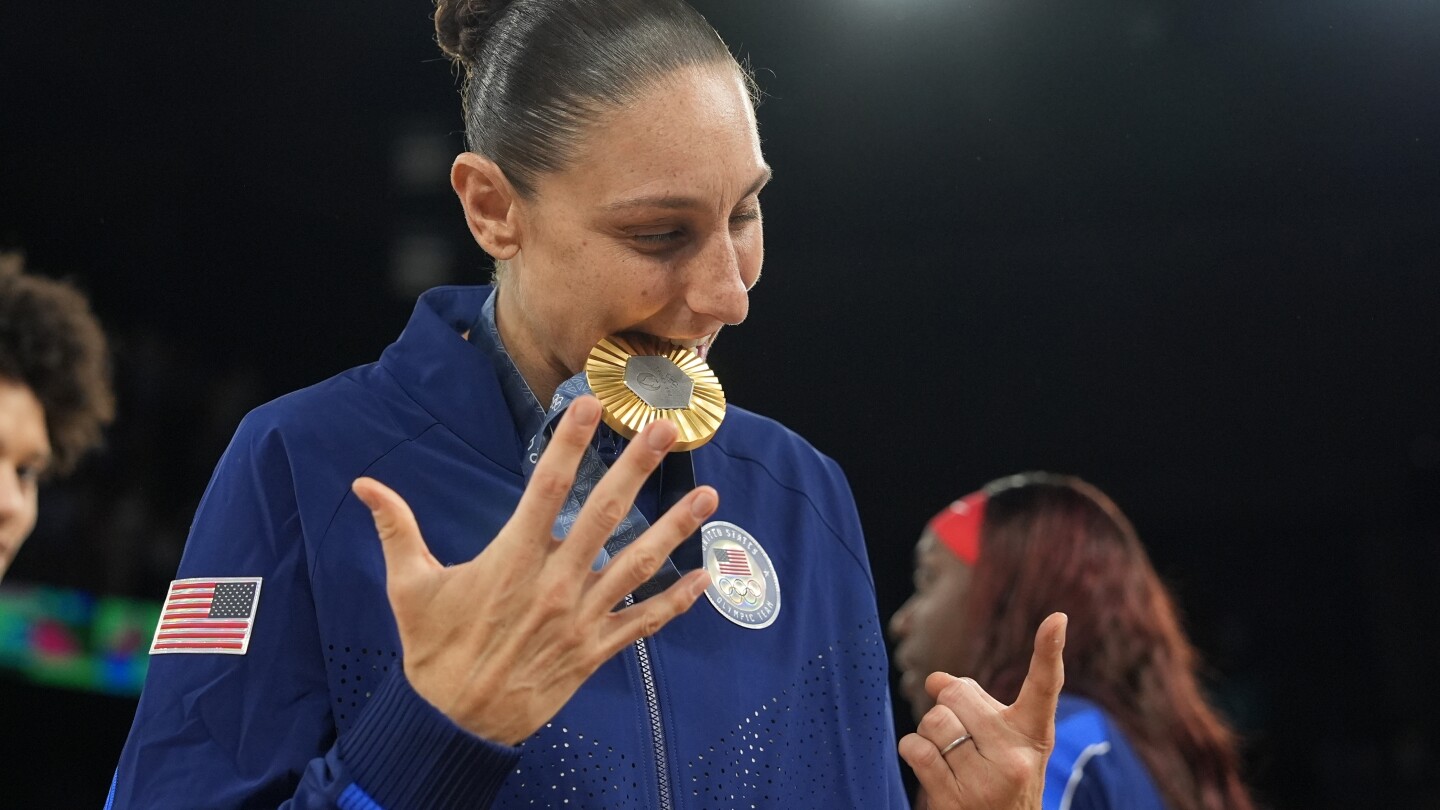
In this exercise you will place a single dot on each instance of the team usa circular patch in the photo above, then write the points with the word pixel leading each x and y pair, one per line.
pixel 743 585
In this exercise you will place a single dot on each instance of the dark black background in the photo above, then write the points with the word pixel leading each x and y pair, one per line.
pixel 1188 251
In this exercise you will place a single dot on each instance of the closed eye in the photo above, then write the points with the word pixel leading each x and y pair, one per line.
pixel 744 218
pixel 674 236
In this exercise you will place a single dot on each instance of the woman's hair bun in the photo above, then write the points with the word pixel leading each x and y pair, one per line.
pixel 461 26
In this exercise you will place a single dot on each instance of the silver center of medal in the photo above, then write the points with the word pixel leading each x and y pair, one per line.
pixel 658 382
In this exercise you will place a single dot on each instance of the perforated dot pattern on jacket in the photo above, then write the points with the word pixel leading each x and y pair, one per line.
pixel 355 672
pixel 785 752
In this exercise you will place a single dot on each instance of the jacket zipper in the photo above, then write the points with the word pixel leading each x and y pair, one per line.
pixel 657 728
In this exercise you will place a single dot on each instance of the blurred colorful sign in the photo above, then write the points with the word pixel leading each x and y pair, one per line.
pixel 74 639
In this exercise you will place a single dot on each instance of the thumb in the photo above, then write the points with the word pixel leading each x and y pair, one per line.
pixel 936 682
pixel 1034 711
pixel 406 555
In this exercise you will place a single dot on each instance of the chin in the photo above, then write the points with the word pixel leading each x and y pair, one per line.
pixel 920 705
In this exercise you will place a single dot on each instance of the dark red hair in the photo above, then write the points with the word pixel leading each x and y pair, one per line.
pixel 1055 543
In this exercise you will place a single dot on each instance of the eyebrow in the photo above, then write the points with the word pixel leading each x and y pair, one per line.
pixel 679 201
pixel 40 458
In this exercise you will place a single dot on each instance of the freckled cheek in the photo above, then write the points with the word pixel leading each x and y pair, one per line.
pixel 619 295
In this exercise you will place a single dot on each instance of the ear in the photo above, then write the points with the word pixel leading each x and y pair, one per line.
pixel 490 203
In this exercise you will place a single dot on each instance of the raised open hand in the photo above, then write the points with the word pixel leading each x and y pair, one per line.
pixel 500 643
pixel 999 761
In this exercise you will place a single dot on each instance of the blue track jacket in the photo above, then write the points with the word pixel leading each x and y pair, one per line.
pixel 317 713
pixel 1093 766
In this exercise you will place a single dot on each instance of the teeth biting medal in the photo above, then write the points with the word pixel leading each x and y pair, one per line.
pixel 640 379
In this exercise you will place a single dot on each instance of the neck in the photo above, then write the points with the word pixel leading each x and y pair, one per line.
pixel 542 374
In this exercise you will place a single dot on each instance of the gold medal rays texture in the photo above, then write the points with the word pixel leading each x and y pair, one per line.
pixel 626 413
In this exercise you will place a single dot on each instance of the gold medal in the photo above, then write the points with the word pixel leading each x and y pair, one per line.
pixel 640 383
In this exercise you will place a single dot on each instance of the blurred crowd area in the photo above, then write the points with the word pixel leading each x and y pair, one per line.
pixel 118 525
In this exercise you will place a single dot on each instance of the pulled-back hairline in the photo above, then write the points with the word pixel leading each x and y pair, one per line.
pixel 542 138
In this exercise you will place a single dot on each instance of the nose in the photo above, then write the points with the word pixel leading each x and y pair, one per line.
pixel 717 285
pixel 12 494
pixel 900 622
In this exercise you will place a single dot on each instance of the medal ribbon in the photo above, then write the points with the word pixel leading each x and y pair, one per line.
pixel 538 424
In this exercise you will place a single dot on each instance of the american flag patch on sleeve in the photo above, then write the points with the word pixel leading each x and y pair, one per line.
pixel 207 616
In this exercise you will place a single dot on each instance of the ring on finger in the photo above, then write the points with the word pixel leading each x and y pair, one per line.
pixel 955 743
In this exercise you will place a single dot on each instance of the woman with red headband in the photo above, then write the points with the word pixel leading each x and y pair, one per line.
pixel 1133 729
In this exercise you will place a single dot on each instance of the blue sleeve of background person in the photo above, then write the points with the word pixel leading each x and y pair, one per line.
pixel 254 730
pixel 1093 766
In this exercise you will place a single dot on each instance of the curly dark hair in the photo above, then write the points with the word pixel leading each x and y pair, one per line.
pixel 51 342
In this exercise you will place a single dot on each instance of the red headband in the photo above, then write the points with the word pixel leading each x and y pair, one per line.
pixel 958 526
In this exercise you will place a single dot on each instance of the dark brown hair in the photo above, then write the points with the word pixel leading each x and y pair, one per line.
pixel 1055 543
pixel 538 71
pixel 51 342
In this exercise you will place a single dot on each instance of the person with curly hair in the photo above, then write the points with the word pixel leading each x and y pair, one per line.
pixel 55 394
pixel 1133 728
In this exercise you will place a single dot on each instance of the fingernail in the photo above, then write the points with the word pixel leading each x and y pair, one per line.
pixel 585 410
pixel 703 504
pixel 660 436
pixel 699 585
pixel 364 497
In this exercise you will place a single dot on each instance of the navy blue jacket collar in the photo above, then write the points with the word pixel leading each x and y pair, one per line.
pixel 450 378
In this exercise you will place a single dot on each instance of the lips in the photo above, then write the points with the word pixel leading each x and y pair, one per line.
pixel 912 689
pixel 907 673
pixel 912 682
pixel 659 344
pixel 688 343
